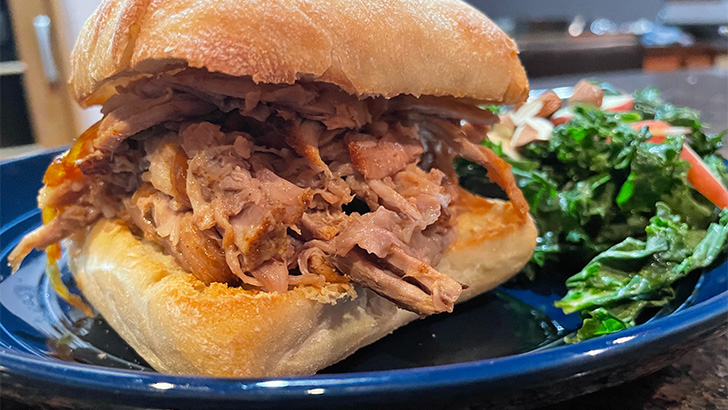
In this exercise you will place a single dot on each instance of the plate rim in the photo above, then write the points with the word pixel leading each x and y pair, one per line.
pixel 583 358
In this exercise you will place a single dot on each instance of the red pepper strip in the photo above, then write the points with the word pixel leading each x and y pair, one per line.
pixel 699 175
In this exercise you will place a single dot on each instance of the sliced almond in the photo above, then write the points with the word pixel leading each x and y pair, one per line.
pixel 551 103
pixel 586 93
pixel 528 110
pixel 545 128
pixel 535 129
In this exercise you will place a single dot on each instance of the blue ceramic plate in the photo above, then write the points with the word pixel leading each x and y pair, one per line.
pixel 501 349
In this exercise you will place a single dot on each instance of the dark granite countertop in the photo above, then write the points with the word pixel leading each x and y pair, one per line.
pixel 699 379
pixel 696 381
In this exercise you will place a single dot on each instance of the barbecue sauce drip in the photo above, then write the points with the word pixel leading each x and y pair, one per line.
pixel 64 168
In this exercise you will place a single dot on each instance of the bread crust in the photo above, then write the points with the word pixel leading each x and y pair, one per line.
pixel 378 47
pixel 181 326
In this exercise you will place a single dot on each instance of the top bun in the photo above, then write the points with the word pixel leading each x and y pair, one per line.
pixel 368 48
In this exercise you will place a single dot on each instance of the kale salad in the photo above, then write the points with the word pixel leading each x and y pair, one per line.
pixel 628 193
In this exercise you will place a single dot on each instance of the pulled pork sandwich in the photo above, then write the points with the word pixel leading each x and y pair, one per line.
pixel 271 186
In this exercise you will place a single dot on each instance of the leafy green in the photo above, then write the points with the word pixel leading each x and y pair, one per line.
pixel 618 284
pixel 706 144
pixel 495 109
pixel 649 103
pixel 594 142
pixel 656 169
pixel 657 173
pixel 596 183
pixel 608 88
pixel 717 167
pixel 589 198
pixel 651 106
pixel 614 211
pixel 602 321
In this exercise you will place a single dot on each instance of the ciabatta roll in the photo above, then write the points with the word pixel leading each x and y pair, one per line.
pixel 181 326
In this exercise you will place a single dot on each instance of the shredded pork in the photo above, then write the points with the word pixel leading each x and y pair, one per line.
pixel 274 186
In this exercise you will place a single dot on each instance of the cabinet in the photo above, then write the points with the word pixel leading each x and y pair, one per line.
pixel 45 31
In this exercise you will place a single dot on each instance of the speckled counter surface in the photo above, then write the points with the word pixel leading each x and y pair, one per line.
pixel 696 381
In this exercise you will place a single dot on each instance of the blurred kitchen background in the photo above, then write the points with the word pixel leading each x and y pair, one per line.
pixel 555 38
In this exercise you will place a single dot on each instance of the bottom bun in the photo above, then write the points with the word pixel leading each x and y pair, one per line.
pixel 179 325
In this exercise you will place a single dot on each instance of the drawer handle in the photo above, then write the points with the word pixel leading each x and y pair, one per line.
pixel 42 26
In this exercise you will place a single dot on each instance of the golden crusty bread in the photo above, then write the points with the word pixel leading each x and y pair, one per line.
pixel 181 326
pixel 377 47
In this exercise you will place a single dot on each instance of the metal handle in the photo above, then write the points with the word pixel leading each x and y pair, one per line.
pixel 42 26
